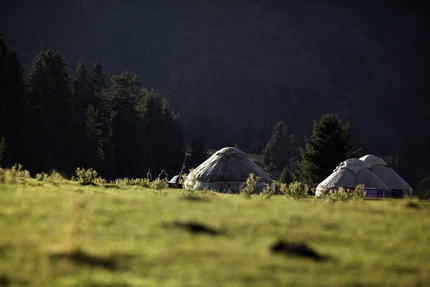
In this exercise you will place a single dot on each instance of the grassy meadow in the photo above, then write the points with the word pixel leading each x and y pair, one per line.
pixel 59 233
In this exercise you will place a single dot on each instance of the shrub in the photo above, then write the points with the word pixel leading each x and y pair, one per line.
pixel 251 185
pixel 294 190
pixel 53 177
pixel 341 194
pixel 86 176
pixel 42 176
pixel 158 184
pixel 191 182
pixel 267 192
pixel 17 171
pixel 143 182
pixel 11 175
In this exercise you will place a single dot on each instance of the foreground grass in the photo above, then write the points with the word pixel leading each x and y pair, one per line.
pixel 63 234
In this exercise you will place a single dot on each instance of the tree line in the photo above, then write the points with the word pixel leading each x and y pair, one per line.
pixel 52 120
pixel 55 120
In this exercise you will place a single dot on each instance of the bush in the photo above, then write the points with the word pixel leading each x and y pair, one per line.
pixel 11 175
pixel 251 185
pixel 42 176
pixel 158 184
pixel 86 176
pixel 341 194
pixel 267 192
pixel 294 190
pixel 54 177
pixel 191 182
pixel 143 182
pixel 17 171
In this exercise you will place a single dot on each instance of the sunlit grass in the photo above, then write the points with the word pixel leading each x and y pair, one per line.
pixel 65 234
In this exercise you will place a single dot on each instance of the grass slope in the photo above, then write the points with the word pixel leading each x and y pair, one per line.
pixel 58 233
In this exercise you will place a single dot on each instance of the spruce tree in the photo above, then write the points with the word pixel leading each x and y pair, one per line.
pixel 174 138
pixel 82 90
pixel 287 176
pixel 12 106
pixel 103 103
pixel 52 134
pixel 198 153
pixel 327 147
pixel 126 124
pixel 163 134
pixel 88 127
pixel 277 153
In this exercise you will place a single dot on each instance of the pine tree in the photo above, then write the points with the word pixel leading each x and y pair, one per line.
pixel 198 153
pixel 88 128
pixel 52 125
pixel 277 153
pixel 287 176
pixel 174 138
pixel 126 124
pixel 82 90
pixel 12 105
pixel 103 103
pixel 327 147
pixel 163 134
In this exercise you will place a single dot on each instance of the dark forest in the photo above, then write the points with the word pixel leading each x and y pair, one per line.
pixel 226 72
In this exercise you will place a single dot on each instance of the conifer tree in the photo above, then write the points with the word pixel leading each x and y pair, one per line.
pixel 12 105
pixel 126 124
pixel 287 176
pixel 52 126
pixel 163 133
pixel 173 136
pixel 93 110
pixel 103 103
pixel 327 147
pixel 86 119
pixel 82 92
pixel 198 153
pixel 277 153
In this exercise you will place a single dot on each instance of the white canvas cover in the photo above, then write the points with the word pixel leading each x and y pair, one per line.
pixel 226 171
pixel 351 173
pixel 386 174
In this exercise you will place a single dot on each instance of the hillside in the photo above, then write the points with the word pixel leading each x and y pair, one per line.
pixel 235 68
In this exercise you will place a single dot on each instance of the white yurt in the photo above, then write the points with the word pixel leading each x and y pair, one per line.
pixel 226 171
pixel 386 174
pixel 349 174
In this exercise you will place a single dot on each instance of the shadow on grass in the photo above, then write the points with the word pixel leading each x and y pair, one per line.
pixel 80 257
pixel 192 227
pixel 297 250
pixel 194 198
pixel 4 280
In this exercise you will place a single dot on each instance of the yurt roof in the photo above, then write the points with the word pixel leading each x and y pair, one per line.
pixel 228 164
pixel 386 174
pixel 352 172
pixel 372 160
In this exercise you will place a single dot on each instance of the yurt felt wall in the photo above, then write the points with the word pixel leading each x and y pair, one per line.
pixel 386 174
pixel 226 171
pixel 351 172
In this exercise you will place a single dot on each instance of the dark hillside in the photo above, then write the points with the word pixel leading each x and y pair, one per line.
pixel 235 68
